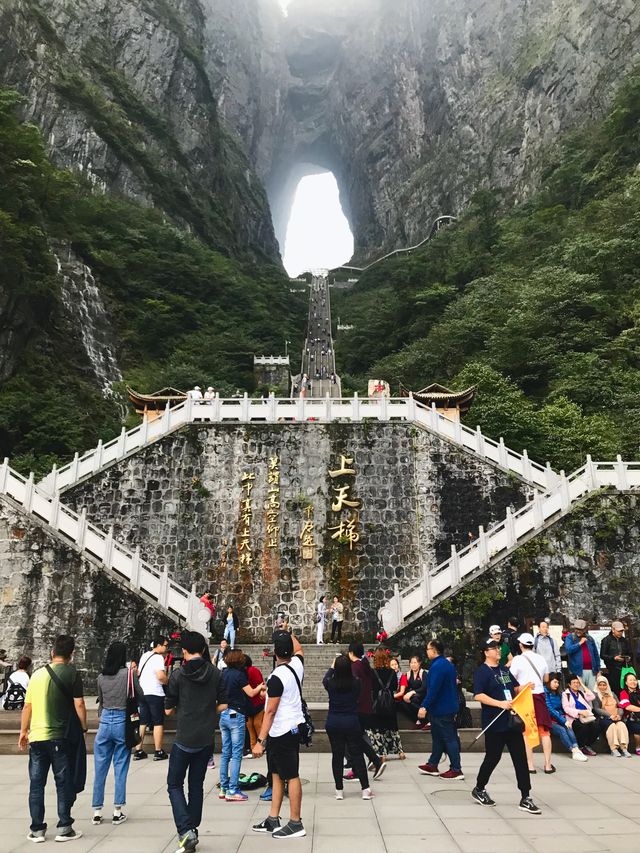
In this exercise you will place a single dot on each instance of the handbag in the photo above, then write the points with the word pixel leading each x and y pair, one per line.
pixel 132 718
pixel 305 729
pixel 74 734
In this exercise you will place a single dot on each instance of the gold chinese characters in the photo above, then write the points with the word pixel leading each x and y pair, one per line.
pixel 272 505
pixel 245 556
pixel 346 532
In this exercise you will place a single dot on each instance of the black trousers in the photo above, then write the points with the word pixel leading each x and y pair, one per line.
pixel 336 626
pixel 494 743
pixel 365 744
pixel 340 743
pixel 586 733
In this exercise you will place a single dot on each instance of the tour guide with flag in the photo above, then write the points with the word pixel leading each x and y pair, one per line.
pixel 499 693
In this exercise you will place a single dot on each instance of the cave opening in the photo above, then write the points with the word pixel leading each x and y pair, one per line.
pixel 318 233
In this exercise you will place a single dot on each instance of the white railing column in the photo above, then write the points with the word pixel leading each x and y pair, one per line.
pixel 355 407
pixel 82 528
pixel 483 550
pixel 454 564
pixel 550 476
pixel 510 528
pixel 144 430
pixel 135 568
pixel 503 456
pixel 54 511
pixel 272 415
pixel 526 466
pixel 122 443
pixel 426 588
pixel 457 431
pixel 108 548
pixel 188 409
pixel 97 457
pixel 300 409
pixel 28 493
pixel 434 417
pixel 53 479
pixel 166 420
pixel 383 411
pixel 411 407
pixel 479 442
pixel 565 497
pixel 396 605
pixel 244 408
pixel 622 483
pixel 163 594
pixel 217 409
pixel 327 408
pixel 536 509
pixel 192 608
pixel 591 472
pixel 4 474
pixel 74 468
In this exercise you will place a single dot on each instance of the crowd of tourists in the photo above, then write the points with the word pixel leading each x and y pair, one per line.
pixel 258 715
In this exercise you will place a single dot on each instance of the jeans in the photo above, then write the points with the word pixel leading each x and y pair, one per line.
pixel 230 635
pixel 110 746
pixel 340 743
pixel 187 815
pixel 445 739
pixel 232 731
pixel 565 735
pixel 43 755
pixel 494 743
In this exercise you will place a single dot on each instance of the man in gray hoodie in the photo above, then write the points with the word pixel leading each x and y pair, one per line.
pixel 194 693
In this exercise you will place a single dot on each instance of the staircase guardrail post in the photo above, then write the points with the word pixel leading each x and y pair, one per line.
pixel 135 568
pixel 97 457
pixel 163 593
pixel 300 409
pixel 355 408
pixel 188 409
pixel 74 468
pixel 503 456
pixel 144 430
pixel 426 588
pixel 166 421
pixel 479 442
pixel 217 408
pixel 434 418
pixel 383 408
pixel 537 511
pixel 565 497
pixel 454 563
pixel 53 479
pixel 122 443
pixel 483 550
pixel 192 607
pixel 54 511
pixel 411 407
pixel 82 528
pixel 457 430
pixel 397 605
pixel 327 408
pixel 28 493
pixel 622 479
pixel 591 473
pixel 4 474
pixel 550 477
pixel 244 408
pixel 526 466
pixel 510 527
pixel 272 414
pixel 108 548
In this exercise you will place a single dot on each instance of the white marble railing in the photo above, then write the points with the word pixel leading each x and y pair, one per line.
pixel 88 539
pixel 275 410
pixel 503 538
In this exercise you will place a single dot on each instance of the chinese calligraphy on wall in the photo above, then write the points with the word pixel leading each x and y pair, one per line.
pixel 347 530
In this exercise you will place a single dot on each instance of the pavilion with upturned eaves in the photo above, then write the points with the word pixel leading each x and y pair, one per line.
pixel 451 404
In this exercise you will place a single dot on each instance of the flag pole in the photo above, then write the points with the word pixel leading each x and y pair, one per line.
pixel 497 717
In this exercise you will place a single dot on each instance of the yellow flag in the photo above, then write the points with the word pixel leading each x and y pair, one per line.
pixel 524 708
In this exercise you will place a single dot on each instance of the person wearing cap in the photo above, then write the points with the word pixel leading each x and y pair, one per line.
pixel 582 654
pixel 196 394
pixel 495 633
pixel 546 647
pixel 283 714
pixel 494 686
pixel 532 668
pixel 615 652
pixel 209 396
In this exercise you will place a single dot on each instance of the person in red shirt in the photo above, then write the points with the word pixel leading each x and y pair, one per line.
pixel 254 719
pixel 208 601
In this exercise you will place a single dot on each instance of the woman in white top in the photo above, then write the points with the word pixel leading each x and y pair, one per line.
pixel 19 677
pixel 320 620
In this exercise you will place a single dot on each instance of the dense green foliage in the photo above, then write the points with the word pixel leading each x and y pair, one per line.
pixel 182 312
pixel 539 306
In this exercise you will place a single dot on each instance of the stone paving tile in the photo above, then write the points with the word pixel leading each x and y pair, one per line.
pixel 370 843
pixel 412 826
pixel 406 843
pixel 541 843
pixel 499 844
pixel 611 826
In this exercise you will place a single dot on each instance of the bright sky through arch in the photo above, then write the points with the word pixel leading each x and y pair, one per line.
pixel 318 234
pixel 284 4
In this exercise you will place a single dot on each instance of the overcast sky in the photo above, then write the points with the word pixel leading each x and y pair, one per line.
pixel 284 4
pixel 318 235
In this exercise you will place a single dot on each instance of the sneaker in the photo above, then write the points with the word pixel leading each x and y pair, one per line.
pixel 339 795
pixel 625 752
pixel 293 829
pixel 96 820
pixel 269 824
pixel 527 805
pixel 577 755
pixel 38 836
pixel 381 768
pixel 480 796
pixel 428 770
pixel 211 763
pixel 222 794
pixel 350 776
pixel 265 796
pixel 426 727
pixel 160 755
pixel 68 835
pixel 367 794
pixel 453 774
pixel 616 754
pixel 586 750
pixel 637 751
pixel 238 797
pixel 188 842
pixel 139 754
pixel 119 818
pixel 247 754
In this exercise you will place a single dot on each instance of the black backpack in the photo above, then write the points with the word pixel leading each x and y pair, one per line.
pixel 14 697
pixel 383 704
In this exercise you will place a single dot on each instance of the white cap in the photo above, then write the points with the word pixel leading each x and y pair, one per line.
pixel 196 388
pixel 209 388
pixel 526 639
pixel 495 629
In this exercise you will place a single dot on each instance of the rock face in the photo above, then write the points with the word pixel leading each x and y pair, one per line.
pixel 47 589
pixel 200 502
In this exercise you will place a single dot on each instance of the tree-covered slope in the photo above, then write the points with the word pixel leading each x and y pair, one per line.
pixel 181 311
pixel 540 305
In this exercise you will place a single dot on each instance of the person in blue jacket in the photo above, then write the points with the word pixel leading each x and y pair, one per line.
pixel 561 728
pixel 442 704
pixel 582 654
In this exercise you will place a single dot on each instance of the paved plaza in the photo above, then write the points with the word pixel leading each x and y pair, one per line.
pixel 586 807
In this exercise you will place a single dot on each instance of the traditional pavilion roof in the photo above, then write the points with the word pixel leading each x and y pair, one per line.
pixel 444 398
pixel 157 400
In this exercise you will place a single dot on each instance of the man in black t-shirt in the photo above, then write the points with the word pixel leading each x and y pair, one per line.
pixel 494 687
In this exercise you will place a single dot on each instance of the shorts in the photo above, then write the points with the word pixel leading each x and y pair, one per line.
pixel 151 710
pixel 284 755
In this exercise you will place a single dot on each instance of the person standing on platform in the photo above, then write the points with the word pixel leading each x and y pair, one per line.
pixel 337 618
pixel 442 704
pixel 320 614
pixel 153 677
pixel 615 652
pixel 231 626
pixel 532 668
pixel 582 654
pixel 495 687
pixel 545 646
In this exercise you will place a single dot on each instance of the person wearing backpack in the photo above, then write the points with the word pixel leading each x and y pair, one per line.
pixel 17 683
pixel 383 733
pixel 441 701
